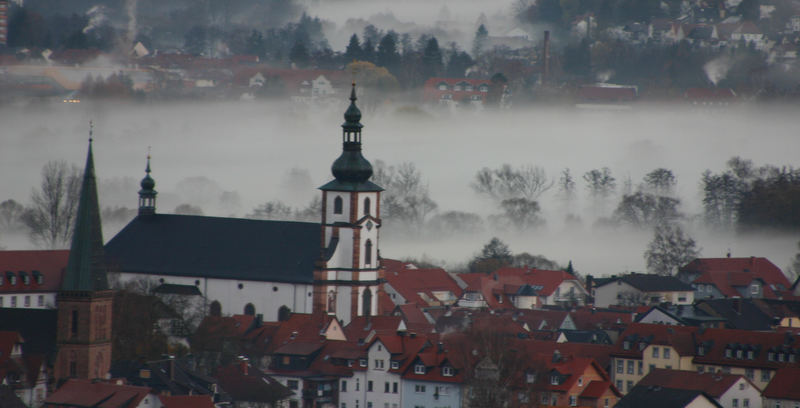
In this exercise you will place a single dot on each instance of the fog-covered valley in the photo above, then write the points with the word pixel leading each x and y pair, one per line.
pixel 227 158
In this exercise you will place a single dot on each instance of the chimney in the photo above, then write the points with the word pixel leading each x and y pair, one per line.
pixel 546 68
pixel 243 364
pixel 440 347
pixel 171 367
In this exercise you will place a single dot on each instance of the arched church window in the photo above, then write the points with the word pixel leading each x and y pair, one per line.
pixel 331 301
pixel 367 302
pixel 215 309
pixel 249 309
pixel 368 252
pixel 284 313
pixel 367 204
pixel 337 205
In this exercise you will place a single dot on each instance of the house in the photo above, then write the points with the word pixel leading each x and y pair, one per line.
pixel 521 288
pixel 30 279
pixel 456 92
pixel 752 277
pixel 427 287
pixel 729 390
pixel 330 266
pixel 782 390
pixel 78 393
pixel 680 315
pixel 749 33
pixel 24 373
pixel 642 289
pixel 661 397
pixel 433 379
pixel 247 386
pixel 641 348
pixel 575 381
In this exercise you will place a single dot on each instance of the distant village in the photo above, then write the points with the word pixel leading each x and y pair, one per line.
pixel 195 311
pixel 695 52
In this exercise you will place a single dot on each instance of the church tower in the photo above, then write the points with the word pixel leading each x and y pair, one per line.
pixel 147 195
pixel 84 301
pixel 348 275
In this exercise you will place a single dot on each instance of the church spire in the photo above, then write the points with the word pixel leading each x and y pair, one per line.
pixel 351 167
pixel 147 195
pixel 86 269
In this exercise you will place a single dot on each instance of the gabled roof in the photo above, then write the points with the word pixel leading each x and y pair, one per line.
pixel 411 282
pixel 660 397
pixel 246 383
pixel 678 337
pixel 714 384
pixel 784 385
pixel 738 313
pixel 646 282
pixel 728 273
pixel 77 393
pixel 762 344
pixel 224 248
pixel 50 264
pixel 360 327
pixel 597 389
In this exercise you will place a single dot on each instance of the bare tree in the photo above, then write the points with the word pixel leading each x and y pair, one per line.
pixel 406 199
pixel 670 249
pixel 506 182
pixel 51 217
pixel 600 185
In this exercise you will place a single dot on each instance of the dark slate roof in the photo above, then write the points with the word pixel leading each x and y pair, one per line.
pixel 738 313
pixel 212 247
pixel 175 377
pixel 37 327
pixel 655 283
pixel 660 397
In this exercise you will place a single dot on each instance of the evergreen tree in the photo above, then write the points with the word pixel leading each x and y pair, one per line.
pixel 368 51
pixel 431 59
pixel 479 43
pixel 299 55
pixel 353 50
pixel 387 55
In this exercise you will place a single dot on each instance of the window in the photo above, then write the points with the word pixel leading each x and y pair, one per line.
pixel 605 403
pixel 39 301
pixel 369 386
pixel 337 205
pixel 358 386
pixel 728 353
pixel 530 378
pixel 554 379
pixel 739 354
pixel 395 365
pixel 771 356
pixel 754 289
pixel 344 405
pixel 651 367
pixel 765 375
pixel 13 301
pixel 640 368
pixel 27 301
pixel 655 352
pixel 419 388
pixel 369 404
pixel 629 385
pixel 750 354
pixel 630 366
pixel 442 86
pixel 701 369
pixel 580 381
pixel 368 252
pixel 750 373
pixel 419 369
pixel 344 386
pixel 379 364
pixel 292 384
pixel 619 385
pixel 394 387
pixel 735 403
pixel 386 387
pixel 447 371
pixel 573 401
pixel 362 362
pixel 626 345
pixel 442 390
pixel 741 386
pixel 366 206
pixel 746 403
pixel 620 366
pixel 666 352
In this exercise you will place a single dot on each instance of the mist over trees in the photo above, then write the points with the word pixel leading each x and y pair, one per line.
pixel 51 216
pixel 670 249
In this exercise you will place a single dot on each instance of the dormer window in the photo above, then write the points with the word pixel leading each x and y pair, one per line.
pixel 38 277
pixel 739 354
pixel 483 88
pixel 468 88
pixel 780 357
pixel 642 345
pixel 395 365
pixel 362 362
pixel 750 355
pixel 771 356
pixel 626 345
pixel 26 280
pixel 728 353
pixel 530 378
pixel 442 86
pixel 448 371
pixel 419 369
pixel 457 87
pixel 701 351
pixel 554 380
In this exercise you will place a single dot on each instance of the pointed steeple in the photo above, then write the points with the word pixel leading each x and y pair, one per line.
pixel 147 195
pixel 86 268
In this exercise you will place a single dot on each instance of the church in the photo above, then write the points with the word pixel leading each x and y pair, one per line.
pixel 270 268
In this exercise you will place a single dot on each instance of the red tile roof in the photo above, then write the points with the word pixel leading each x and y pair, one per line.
pixel 762 343
pixel 410 282
pixel 714 384
pixel 728 273
pixel 51 264
pixel 84 393
pixel 187 401
pixel 784 385
pixel 597 389
pixel 250 386
pixel 679 337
